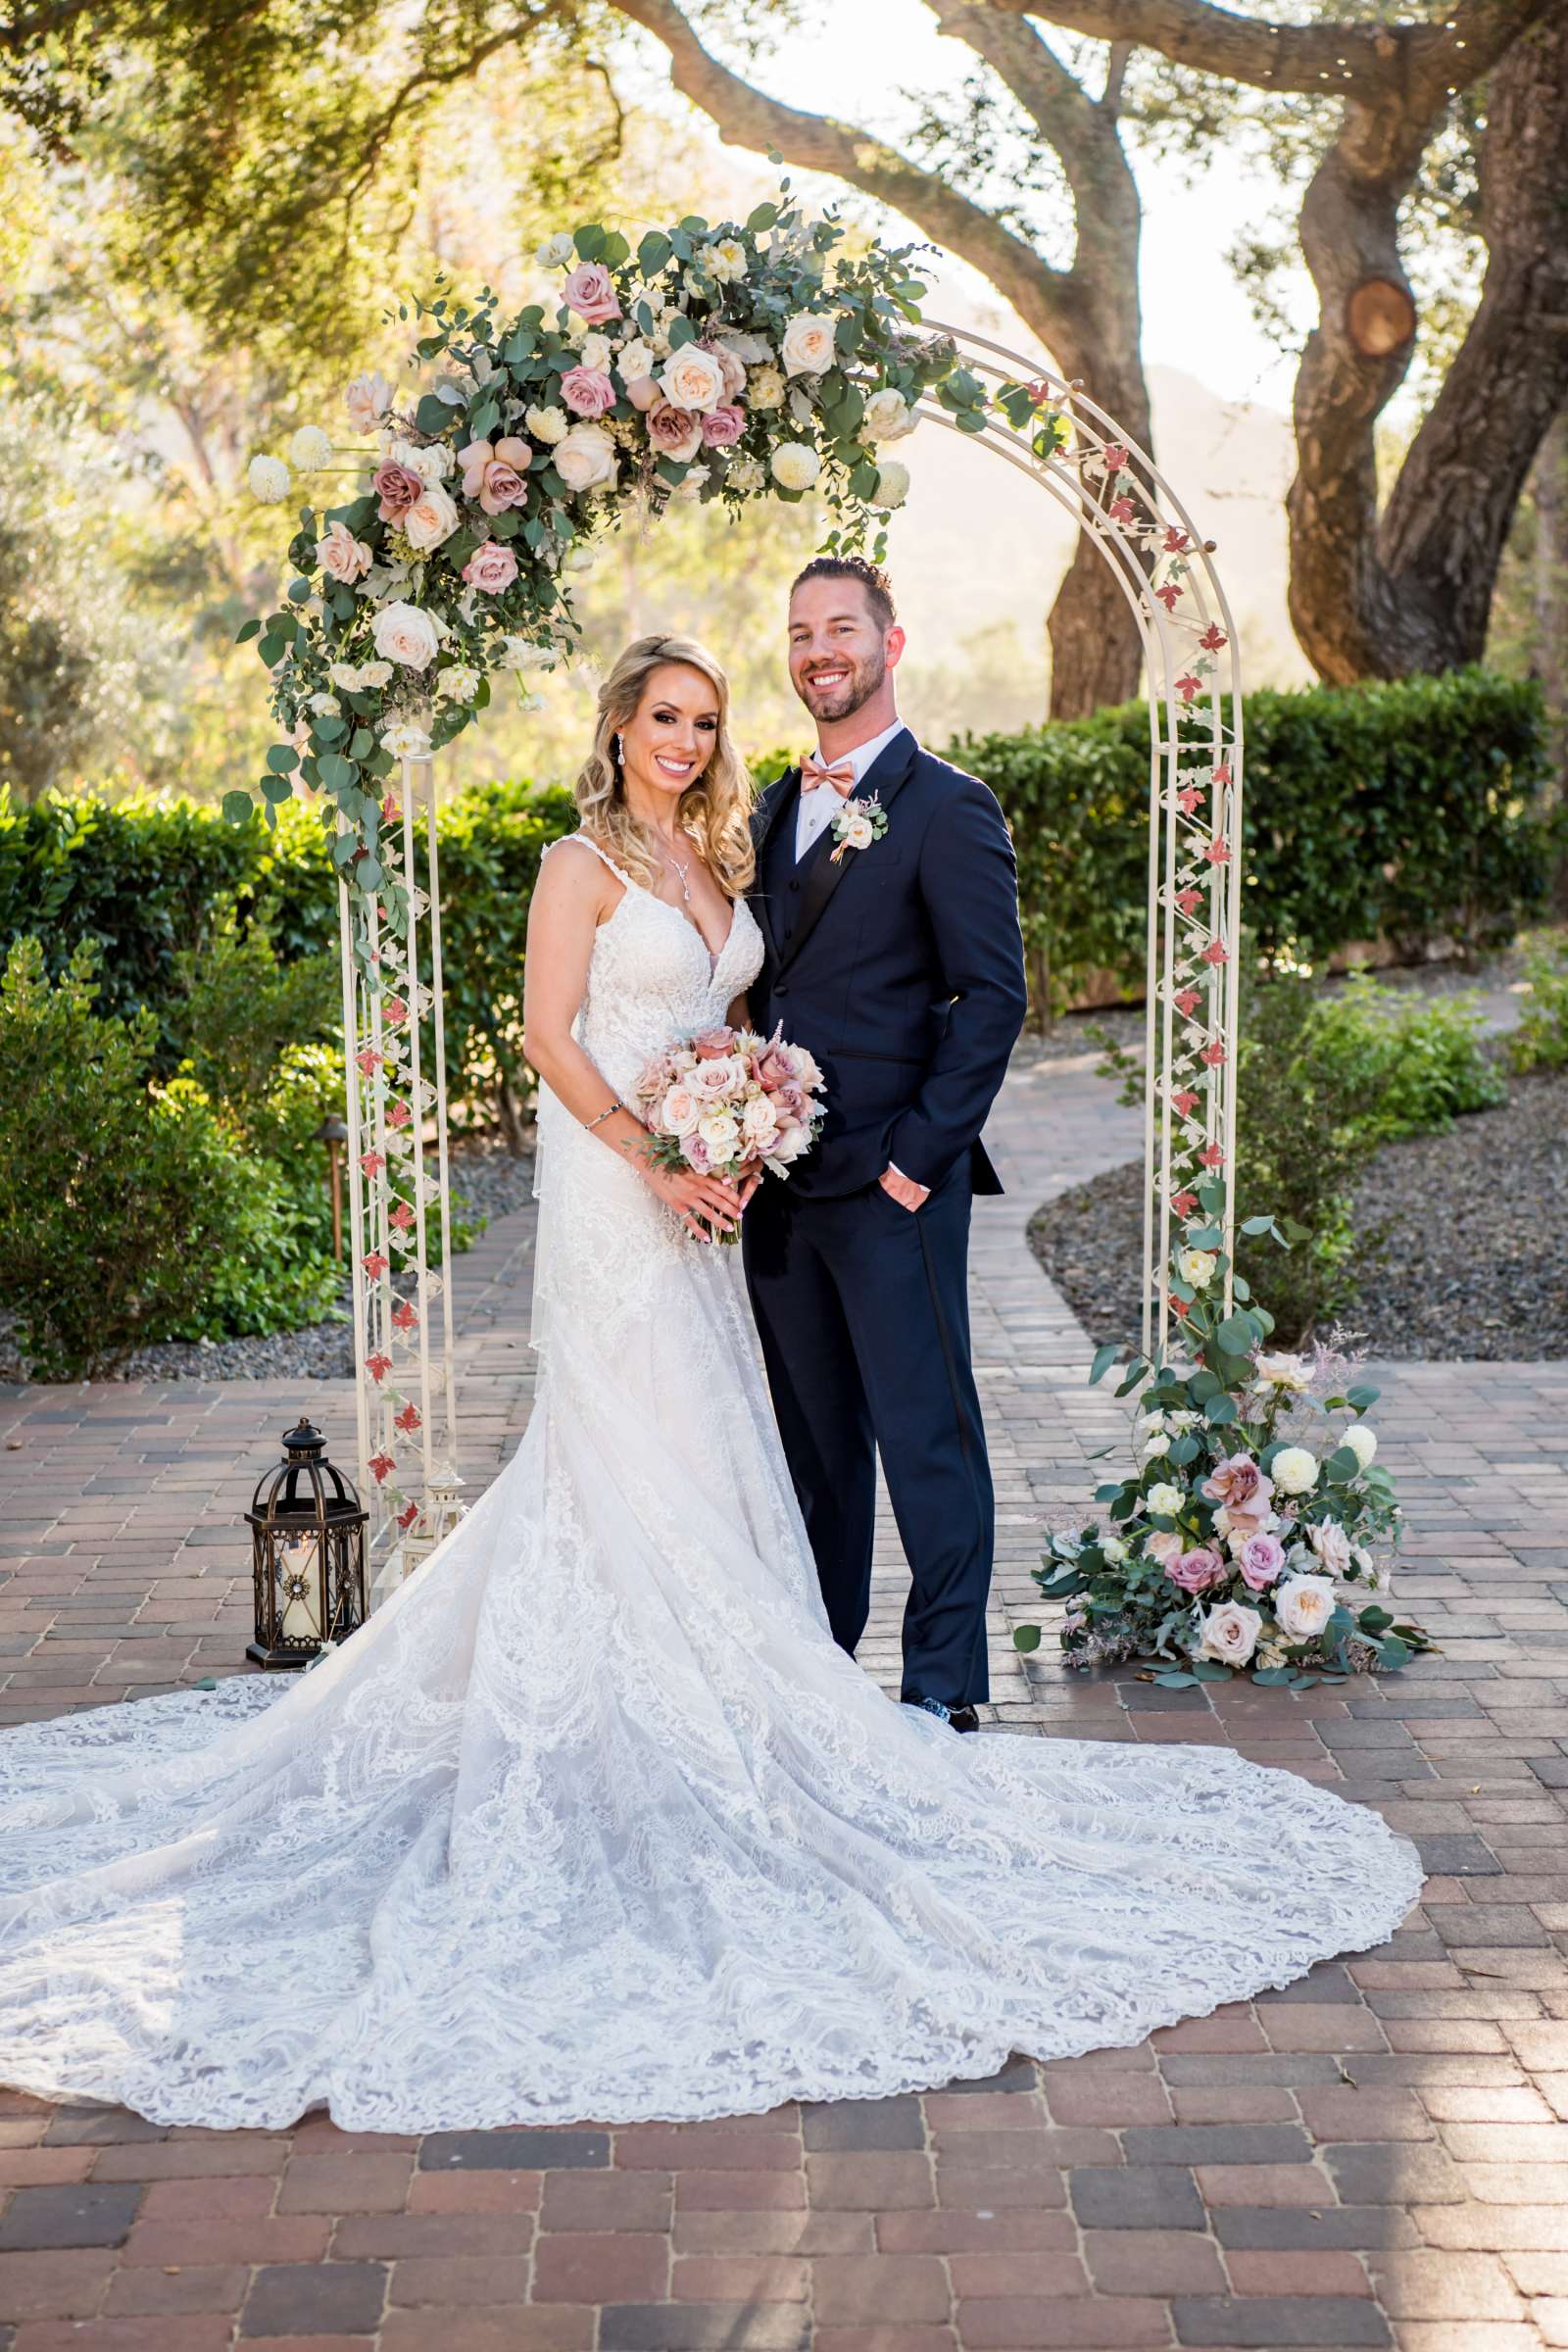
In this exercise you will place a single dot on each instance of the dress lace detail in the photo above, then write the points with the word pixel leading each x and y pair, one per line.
pixel 593 1820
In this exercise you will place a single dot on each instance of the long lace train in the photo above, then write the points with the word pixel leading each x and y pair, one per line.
pixel 594 1820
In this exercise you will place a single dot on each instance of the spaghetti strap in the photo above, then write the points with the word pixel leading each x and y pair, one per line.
pixel 623 879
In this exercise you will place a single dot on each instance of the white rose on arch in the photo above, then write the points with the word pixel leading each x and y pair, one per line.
pixel 557 251
pixel 692 379
pixel 888 415
pixel 404 741
pixel 457 683
pixel 548 424
pixel 407 635
pixel 795 465
pixel 430 519
pixel 585 459
pixel 807 347
pixel 367 399
pixel 765 389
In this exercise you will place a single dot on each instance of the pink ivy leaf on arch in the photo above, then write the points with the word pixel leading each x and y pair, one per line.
pixel 1187 686
pixel 1214 638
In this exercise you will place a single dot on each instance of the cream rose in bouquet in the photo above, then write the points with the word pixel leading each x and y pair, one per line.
pixel 731 1103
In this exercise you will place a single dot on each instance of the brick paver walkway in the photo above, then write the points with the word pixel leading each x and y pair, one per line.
pixel 1378 2156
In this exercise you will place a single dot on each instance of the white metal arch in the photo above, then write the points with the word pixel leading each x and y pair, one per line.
pixel 405 1376
pixel 1165 571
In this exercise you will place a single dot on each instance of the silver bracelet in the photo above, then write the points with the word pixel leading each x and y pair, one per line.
pixel 607 1112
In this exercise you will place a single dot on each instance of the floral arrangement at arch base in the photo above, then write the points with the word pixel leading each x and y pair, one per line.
pixel 1256 1533
pixel 716 363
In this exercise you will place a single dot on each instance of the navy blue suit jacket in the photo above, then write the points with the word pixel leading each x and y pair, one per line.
pixel 901 967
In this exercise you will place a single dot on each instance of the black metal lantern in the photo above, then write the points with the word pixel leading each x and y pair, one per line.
pixel 307 1529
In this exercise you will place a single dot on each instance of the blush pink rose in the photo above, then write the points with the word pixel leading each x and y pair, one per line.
pixel 729 368
pixel 723 427
pixel 493 472
pixel 590 291
pixel 398 487
pixel 715 1045
pixel 587 391
pixel 1245 1494
pixel 492 567
pixel 1164 1544
pixel 773 1071
pixel 675 432
pixel 1195 1571
pixel 1260 1560
pixel 642 393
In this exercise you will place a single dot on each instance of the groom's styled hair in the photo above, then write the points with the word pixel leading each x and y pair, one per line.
pixel 873 578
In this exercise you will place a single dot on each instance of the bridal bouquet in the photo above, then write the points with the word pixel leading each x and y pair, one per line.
pixel 731 1103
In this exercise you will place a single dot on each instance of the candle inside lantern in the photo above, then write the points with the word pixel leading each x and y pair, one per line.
pixel 299 1590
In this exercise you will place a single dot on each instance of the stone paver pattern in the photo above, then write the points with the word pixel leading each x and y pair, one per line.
pixel 1376 2156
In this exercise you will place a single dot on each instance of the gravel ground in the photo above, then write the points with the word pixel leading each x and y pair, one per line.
pixel 1473 1258
pixel 488 1182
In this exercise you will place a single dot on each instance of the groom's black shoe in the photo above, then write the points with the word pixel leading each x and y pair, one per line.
pixel 957 1719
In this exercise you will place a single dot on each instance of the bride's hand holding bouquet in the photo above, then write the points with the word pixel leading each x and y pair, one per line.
pixel 721 1111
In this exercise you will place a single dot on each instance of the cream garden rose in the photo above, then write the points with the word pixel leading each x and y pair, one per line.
pixel 1231 1632
pixel 430 519
pixel 406 634
pixel 1282 1371
pixel 888 415
pixel 1302 1607
pixel 341 556
pixel 765 389
pixel 367 397
pixel 1197 1268
pixel 808 346
pixel 692 379
pixel 585 458
pixel 1164 1500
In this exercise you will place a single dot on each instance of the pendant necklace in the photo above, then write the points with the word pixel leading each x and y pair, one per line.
pixel 681 872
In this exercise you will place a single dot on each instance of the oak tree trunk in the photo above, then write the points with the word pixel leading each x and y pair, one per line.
pixel 1411 591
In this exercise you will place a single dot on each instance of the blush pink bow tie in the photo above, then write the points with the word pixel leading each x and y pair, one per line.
pixel 815 771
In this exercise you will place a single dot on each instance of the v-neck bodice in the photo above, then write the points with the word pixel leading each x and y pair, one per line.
pixel 652 978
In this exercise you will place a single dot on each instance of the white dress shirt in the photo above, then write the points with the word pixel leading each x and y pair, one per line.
pixel 817 809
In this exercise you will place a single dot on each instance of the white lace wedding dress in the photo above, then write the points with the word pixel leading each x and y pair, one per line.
pixel 593 1820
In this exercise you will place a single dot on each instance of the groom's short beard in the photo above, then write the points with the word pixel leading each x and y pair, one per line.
pixel 863 680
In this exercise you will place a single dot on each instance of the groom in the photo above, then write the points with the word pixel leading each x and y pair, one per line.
pixel 899 964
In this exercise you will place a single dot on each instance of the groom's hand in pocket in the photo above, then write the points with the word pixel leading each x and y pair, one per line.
pixel 904 1191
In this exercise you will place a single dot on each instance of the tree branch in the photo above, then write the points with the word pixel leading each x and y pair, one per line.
pixel 1368 61
pixel 746 117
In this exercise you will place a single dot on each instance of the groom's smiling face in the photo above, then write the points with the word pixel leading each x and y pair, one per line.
pixel 840 653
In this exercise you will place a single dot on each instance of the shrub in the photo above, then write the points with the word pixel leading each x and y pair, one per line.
pixel 1404 811
pixel 118 1201
pixel 1403 1065
pixel 1541 1041
pixel 240 1009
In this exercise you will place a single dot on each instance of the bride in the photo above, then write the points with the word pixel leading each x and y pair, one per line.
pixel 594 1819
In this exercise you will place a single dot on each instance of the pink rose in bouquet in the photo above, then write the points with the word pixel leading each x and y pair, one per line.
pixel 1260 1560
pixel 731 1103
pixel 1245 1494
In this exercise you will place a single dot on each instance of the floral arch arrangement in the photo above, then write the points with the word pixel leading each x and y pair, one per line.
pixel 721 364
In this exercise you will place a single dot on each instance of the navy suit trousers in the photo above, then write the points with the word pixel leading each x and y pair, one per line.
pixel 863 1311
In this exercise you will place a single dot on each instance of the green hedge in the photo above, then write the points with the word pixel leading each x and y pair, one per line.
pixel 1399 812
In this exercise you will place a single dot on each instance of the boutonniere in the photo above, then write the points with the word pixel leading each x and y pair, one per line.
pixel 858 825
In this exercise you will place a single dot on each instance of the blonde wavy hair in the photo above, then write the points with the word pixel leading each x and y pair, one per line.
pixel 715 810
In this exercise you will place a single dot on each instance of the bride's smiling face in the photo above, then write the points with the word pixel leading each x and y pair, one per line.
pixel 670 740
